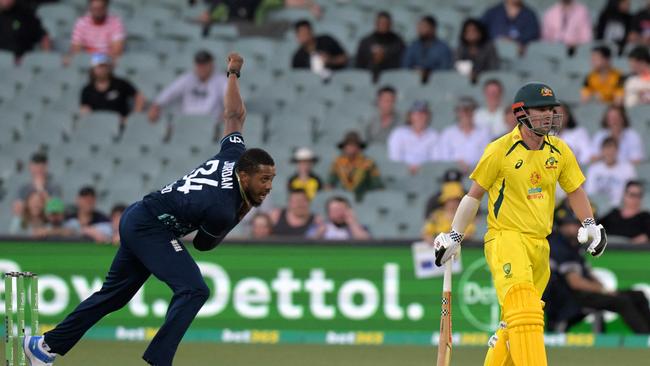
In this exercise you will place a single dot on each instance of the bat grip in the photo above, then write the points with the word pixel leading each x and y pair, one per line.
pixel 446 282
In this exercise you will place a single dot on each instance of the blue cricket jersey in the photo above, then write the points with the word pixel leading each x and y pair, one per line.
pixel 208 198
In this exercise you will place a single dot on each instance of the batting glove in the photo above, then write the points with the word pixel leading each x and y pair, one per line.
pixel 446 245
pixel 594 235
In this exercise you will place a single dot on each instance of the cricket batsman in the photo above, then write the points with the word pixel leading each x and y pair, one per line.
pixel 520 172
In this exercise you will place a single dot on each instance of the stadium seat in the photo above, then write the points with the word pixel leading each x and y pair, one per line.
pixel 140 132
pixel 81 62
pixel 38 61
pixel 287 128
pixel 140 29
pixel 552 51
pixel 97 128
pixel 41 93
pixel 13 123
pixel 18 77
pixel 400 79
pixel 67 78
pixel 259 48
pixel 62 14
pixel 180 31
pixel 319 201
pixel 303 80
pixel 133 62
pixel 161 16
pixel 589 115
pixel 227 32
pixel 353 79
pixel 192 131
pixel 7 167
pixel 507 50
pixel 7 92
pixel 50 129
pixel 218 48
pixel 6 59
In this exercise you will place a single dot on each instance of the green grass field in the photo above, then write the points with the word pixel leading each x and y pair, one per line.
pixel 128 353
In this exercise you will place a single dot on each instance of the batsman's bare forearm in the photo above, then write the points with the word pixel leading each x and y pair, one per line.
pixel 234 111
pixel 580 205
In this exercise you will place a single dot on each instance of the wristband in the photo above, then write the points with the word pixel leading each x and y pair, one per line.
pixel 235 72
pixel 589 221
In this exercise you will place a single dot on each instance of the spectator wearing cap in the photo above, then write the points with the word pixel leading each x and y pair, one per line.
pixel 384 118
pixel 352 170
pixel 321 53
pixel 414 144
pixel 21 29
pixel 475 50
pixel 491 114
pixel 637 86
pixel 463 142
pixel 616 124
pixel 450 176
pixel 31 217
pixel 55 220
pixel 630 220
pixel 382 49
pixel 41 182
pixel 427 53
pixel 574 286
pixel 305 178
pixel 567 22
pixel 106 92
pixel 199 92
pixel 512 20
pixel 439 221
pixel 604 83
pixel 98 31
pixel 116 216
pixel 87 222
pixel 608 176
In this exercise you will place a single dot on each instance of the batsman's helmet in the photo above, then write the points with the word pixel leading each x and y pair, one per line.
pixel 536 95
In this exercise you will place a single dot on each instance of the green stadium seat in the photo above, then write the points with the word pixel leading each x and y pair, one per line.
pixel 287 128
pixel 352 79
pixel 400 79
pixel 18 77
pixel 164 48
pixel 97 128
pixel 7 92
pixel 161 16
pixel 193 131
pixel 508 50
pixel 218 48
pixel 589 115
pixel 81 62
pixel 140 132
pixel 62 14
pixel 6 59
pixel 39 61
pixel 552 51
pixel 180 31
pixel 134 62
pixel 258 48
pixel 139 29
pixel 67 78
pixel 41 93
pixel 227 32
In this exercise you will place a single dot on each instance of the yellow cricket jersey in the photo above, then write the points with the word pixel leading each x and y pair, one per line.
pixel 521 183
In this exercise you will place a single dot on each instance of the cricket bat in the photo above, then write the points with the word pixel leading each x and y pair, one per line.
pixel 444 342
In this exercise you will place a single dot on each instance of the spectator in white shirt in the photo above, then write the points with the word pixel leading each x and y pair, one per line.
pixel 577 137
pixel 617 125
pixel 609 176
pixel 414 144
pixel 199 92
pixel 463 142
pixel 637 86
pixel 491 116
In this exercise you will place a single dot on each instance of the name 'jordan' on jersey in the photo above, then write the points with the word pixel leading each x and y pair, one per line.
pixel 207 198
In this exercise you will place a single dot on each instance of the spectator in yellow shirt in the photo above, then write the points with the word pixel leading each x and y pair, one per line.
pixel 604 83
pixel 439 220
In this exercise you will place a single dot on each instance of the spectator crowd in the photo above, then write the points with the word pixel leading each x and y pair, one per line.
pixel 400 130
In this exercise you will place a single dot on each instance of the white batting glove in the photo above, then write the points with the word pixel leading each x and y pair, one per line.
pixel 446 245
pixel 594 235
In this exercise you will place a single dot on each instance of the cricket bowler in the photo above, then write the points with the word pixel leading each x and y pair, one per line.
pixel 210 200
pixel 520 172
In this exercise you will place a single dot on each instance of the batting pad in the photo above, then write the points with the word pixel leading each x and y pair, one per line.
pixel 498 355
pixel 524 317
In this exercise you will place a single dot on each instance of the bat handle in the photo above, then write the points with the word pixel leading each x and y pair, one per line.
pixel 446 282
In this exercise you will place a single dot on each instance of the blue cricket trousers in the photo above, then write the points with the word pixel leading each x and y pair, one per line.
pixel 146 248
